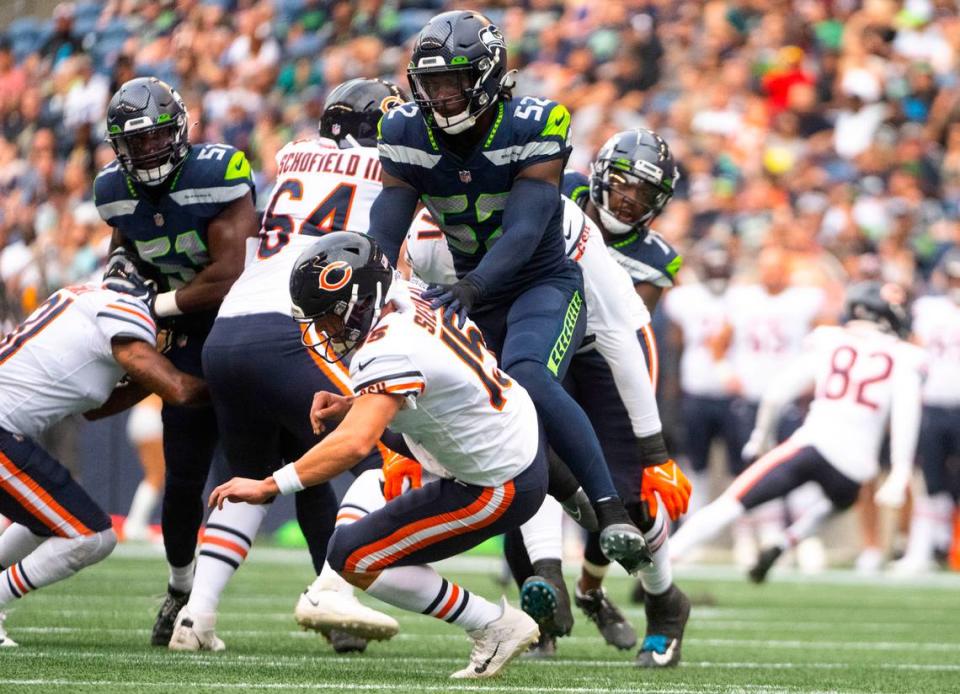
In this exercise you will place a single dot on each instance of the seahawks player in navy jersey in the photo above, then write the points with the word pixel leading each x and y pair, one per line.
pixel 187 211
pixel 488 169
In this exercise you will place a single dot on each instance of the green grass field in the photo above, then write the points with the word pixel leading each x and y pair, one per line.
pixel 835 633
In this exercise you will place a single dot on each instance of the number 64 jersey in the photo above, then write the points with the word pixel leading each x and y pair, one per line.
pixel 462 417
pixel 320 188
pixel 864 380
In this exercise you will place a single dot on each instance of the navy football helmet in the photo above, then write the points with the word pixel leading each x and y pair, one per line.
pixel 883 303
pixel 338 287
pixel 147 128
pixel 355 108
pixel 632 180
pixel 458 69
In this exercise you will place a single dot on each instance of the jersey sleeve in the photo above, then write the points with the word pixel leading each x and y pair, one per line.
pixel 405 145
pixel 122 316
pixel 112 196
pixel 393 374
pixel 213 178
pixel 541 132
pixel 651 261
pixel 576 186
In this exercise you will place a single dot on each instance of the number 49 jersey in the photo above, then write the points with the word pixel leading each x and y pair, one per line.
pixel 168 225
pixel 462 417
pixel 320 188
pixel 467 197
pixel 865 380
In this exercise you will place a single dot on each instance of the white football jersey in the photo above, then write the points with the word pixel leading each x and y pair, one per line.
pixel 463 417
pixel 615 312
pixel 864 379
pixel 59 361
pixel 936 323
pixel 768 331
pixel 701 315
pixel 320 188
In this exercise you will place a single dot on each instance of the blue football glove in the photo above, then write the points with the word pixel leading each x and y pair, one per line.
pixel 123 275
pixel 457 298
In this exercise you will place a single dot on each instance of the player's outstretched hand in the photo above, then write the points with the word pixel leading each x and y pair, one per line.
pixel 396 469
pixel 893 492
pixel 456 299
pixel 243 489
pixel 327 405
pixel 668 483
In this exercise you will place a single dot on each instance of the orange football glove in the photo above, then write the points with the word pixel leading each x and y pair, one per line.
pixel 668 481
pixel 396 469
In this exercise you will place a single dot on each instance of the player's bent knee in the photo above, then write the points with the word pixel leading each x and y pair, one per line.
pixel 89 549
pixel 337 550
pixel 535 377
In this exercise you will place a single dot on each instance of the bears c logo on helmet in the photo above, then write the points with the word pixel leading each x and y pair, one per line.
pixel 335 275
pixel 389 102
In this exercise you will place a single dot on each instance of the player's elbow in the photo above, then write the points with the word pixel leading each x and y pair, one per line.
pixel 186 391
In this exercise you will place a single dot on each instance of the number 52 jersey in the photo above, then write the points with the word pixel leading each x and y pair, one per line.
pixel 462 417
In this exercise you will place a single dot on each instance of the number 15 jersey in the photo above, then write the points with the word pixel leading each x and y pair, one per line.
pixel 462 417
pixel 320 188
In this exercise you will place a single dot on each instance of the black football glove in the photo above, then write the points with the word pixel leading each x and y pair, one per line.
pixel 123 275
pixel 457 298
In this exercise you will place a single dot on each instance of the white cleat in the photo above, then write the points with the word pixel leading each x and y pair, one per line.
pixel 870 560
pixel 911 566
pixel 5 641
pixel 323 610
pixel 194 632
pixel 499 642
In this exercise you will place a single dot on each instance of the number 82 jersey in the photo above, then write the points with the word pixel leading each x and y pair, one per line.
pixel 467 196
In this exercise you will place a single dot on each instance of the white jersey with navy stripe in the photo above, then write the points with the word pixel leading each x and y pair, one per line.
pixel 320 188
pixel 463 417
pixel 615 312
pixel 60 362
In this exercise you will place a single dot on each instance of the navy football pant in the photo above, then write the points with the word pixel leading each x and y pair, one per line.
pixel 939 450
pixel 189 439
pixel 37 491
pixel 441 519
pixel 534 338
pixel 707 418
pixel 262 381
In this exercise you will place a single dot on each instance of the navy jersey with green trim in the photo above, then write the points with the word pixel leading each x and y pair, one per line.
pixel 168 227
pixel 467 196
pixel 650 260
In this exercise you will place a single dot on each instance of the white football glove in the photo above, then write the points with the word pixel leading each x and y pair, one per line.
pixel 893 492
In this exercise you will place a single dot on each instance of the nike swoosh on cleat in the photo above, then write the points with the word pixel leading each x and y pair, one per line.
pixel 665 657
pixel 480 669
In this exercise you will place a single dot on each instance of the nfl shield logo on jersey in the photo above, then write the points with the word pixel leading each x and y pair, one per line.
pixel 465 177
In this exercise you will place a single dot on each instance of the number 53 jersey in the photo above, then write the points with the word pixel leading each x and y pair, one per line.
pixel 320 188
pixel 462 417
pixel 167 224
pixel 864 380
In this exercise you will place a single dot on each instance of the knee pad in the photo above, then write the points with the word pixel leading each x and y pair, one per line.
pixel 90 549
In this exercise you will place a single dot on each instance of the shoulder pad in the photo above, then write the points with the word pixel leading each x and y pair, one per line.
pixel 213 175
pixel 650 260
pixel 113 195
pixel 576 186
pixel 536 118
pixel 400 123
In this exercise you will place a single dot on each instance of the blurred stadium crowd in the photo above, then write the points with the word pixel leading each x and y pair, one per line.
pixel 828 128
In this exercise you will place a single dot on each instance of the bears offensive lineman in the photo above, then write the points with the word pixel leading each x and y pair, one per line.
pixel 431 378
pixel 488 169
pixel 64 359
pixel 865 378
pixel 186 210
pixel 262 379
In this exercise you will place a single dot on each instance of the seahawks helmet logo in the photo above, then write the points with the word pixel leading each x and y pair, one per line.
pixel 491 37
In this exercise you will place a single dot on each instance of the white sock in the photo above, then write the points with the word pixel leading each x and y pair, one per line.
pixel 543 533
pixel 141 509
pixel 807 523
pixel 16 542
pixel 942 505
pixel 768 521
pixel 55 559
pixel 421 589
pixel 705 525
pixel 226 540
pixel 658 577
pixel 181 577
pixel 920 542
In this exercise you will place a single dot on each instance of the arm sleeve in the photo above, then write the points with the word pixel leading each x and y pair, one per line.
pixel 390 217
pixel 905 414
pixel 623 354
pixel 529 208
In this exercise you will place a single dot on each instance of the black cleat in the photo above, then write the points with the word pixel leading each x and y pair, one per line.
pixel 667 616
pixel 613 626
pixel 545 647
pixel 620 540
pixel 544 597
pixel 765 562
pixel 638 595
pixel 343 642
pixel 163 626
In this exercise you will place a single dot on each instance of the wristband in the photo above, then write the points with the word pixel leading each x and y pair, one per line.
pixel 287 480
pixel 166 305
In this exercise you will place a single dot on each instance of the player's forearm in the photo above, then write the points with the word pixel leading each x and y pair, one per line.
pixel 531 205
pixel 390 217
pixel 207 289
pixel 337 453
pixel 621 349
pixel 122 398
pixel 905 413
pixel 151 370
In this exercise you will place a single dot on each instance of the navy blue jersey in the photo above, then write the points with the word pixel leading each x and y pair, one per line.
pixel 168 227
pixel 467 196
pixel 649 260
